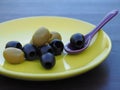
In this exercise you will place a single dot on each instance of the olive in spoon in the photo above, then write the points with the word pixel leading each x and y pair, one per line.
pixel 88 37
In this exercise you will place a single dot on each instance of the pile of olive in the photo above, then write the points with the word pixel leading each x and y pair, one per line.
pixel 44 45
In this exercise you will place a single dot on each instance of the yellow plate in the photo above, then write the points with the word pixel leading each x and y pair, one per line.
pixel 66 65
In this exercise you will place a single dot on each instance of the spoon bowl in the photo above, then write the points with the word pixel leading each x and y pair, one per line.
pixel 88 37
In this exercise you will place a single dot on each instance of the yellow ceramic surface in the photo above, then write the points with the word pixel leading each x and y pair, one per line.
pixel 66 65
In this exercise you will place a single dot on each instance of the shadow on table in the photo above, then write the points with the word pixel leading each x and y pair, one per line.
pixel 93 80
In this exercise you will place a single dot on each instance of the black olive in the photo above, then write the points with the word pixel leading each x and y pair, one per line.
pixel 48 60
pixel 14 44
pixel 77 41
pixel 30 52
pixel 57 46
pixel 44 49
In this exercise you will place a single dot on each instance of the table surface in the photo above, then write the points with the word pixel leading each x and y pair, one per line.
pixel 104 77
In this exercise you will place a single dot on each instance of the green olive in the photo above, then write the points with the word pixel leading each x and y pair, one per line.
pixel 55 35
pixel 31 42
pixel 40 37
pixel 13 55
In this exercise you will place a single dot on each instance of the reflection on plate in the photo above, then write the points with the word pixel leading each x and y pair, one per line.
pixel 66 65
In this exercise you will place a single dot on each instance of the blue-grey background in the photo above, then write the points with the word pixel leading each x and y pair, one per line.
pixel 104 77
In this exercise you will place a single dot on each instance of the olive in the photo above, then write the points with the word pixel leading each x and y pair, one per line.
pixel 13 55
pixel 77 41
pixel 55 35
pixel 30 52
pixel 14 44
pixel 40 37
pixel 57 46
pixel 31 42
pixel 45 49
pixel 48 60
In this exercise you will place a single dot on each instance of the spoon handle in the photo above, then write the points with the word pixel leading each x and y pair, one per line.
pixel 107 18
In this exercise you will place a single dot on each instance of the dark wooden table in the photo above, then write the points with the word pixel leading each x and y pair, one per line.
pixel 104 77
